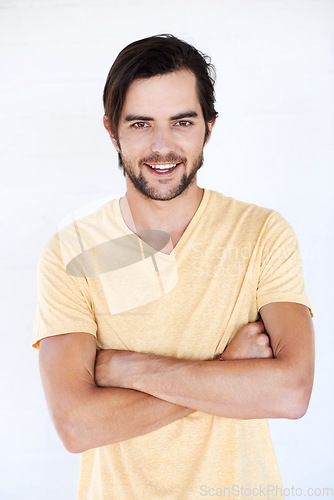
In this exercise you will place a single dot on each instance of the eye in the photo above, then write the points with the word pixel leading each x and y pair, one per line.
pixel 140 125
pixel 183 123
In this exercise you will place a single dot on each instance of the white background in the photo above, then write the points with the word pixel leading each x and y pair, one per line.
pixel 272 145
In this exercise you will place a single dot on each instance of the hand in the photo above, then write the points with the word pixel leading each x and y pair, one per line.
pixel 115 368
pixel 251 341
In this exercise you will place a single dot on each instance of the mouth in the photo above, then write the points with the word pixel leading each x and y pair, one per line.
pixel 162 168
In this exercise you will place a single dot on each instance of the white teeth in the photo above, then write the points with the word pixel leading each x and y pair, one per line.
pixel 163 167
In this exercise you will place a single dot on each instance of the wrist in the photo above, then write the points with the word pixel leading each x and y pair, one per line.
pixel 136 370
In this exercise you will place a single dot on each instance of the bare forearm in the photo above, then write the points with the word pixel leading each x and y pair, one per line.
pixel 243 388
pixel 87 416
pixel 255 388
pixel 108 415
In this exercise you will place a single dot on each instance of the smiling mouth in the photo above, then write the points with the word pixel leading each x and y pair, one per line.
pixel 164 168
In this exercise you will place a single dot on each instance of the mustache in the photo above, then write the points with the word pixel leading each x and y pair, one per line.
pixel 170 158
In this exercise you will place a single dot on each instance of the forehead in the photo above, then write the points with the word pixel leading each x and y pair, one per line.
pixel 162 95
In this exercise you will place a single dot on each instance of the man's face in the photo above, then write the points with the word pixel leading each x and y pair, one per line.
pixel 161 134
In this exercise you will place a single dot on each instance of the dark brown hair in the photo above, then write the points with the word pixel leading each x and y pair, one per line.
pixel 157 55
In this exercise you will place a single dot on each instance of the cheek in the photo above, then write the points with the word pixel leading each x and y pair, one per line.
pixel 193 140
pixel 195 146
pixel 133 144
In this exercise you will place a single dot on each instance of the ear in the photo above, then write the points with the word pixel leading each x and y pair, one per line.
pixel 210 127
pixel 112 137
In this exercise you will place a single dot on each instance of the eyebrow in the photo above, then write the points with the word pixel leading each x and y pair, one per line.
pixel 137 118
pixel 141 118
pixel 187 114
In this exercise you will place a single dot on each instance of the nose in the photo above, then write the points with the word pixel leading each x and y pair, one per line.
pixel 162 140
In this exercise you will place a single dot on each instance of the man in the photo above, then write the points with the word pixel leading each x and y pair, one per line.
pixel 172 322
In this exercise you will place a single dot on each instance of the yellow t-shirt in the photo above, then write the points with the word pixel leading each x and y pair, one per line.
pixel 96 276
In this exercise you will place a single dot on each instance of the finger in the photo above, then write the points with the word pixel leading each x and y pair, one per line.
pixel 263 340
pixel 255 328
pixel 261 325
pixel 268 353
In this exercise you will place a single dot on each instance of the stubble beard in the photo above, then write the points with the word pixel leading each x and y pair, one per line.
pixel 142 185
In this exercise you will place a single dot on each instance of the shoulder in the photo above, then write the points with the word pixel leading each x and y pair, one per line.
pixel 236 211
pixel 80 231
pixel 247 220
pixel 227 204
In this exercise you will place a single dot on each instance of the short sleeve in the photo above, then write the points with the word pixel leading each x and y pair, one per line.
pixel 63 304
pixel 281 268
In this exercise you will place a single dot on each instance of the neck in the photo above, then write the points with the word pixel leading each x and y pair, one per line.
pixel 172 216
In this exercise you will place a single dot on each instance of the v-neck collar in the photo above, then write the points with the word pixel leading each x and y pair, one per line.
pixel 193 222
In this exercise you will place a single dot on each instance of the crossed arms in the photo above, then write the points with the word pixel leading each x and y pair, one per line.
pixel 100 399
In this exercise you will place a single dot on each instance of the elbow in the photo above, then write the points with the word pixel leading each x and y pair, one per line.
pixel 78 434
pixel 70 438
pixel 297 410
pixel 295 389
pixel 71 434
pixel 72 442
pixel 298 401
